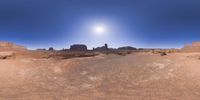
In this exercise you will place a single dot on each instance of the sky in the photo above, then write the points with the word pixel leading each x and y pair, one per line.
pixel 138 23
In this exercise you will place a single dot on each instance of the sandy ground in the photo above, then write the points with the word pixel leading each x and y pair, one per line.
pixel 138 76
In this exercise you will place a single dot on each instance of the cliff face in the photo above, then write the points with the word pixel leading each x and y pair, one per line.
pixel 11 46
pixel 194 47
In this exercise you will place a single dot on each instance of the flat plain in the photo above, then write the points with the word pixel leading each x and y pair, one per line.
pixel 136 76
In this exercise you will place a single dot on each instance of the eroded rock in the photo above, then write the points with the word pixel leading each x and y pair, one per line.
pixel 7 55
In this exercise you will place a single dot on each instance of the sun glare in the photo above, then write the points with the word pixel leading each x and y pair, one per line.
pixel 99 30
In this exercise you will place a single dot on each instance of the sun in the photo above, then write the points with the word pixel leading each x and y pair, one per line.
pixel 99 30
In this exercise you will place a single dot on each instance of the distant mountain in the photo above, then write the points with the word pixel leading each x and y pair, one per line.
pixel 127 48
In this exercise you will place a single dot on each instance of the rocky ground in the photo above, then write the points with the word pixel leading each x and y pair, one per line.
pixel 137 76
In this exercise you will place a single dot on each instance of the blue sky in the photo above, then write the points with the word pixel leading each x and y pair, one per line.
pixel 139 23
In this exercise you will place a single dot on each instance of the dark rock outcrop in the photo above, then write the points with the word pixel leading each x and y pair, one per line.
pixel 103 48
pixel 78 47
pixel 51 49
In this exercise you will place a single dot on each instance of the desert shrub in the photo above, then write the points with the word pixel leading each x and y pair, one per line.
pixel 163 53
pixel 121 53
pixel 156 52
pixel 129 52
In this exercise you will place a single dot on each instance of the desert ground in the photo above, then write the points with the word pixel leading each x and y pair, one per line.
pixel 136 76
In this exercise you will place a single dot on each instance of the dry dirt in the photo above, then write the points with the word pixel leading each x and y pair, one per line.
pixel 137 76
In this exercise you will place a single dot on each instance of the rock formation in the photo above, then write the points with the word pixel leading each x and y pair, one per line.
pixel 194 47
pixel 40 49
pixel 78 47
pixel 103 48
pixel 11 46
pixel 6 55
pixel 51 49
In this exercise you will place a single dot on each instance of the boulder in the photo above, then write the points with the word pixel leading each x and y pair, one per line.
pixel 6 55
